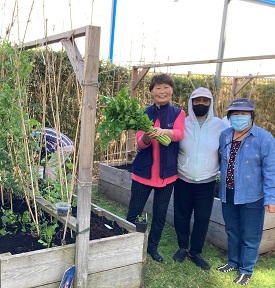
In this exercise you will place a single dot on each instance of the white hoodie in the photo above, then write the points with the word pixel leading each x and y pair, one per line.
pixel 198 151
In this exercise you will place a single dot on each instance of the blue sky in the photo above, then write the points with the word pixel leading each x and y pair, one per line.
pixel 156 31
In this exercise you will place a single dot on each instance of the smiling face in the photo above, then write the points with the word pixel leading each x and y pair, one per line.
pixel 162 93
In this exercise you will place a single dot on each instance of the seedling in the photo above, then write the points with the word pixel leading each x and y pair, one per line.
pixel 142 218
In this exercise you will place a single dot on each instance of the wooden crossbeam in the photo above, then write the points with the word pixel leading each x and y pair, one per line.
pixel 236 59
pixel 79 32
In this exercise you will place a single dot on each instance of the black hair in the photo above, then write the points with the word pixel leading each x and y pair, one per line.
pixel 230 112
pixel 161 79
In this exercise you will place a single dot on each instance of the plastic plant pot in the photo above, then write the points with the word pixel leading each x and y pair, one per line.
pixel 62 208
pixel 141 226
pixel 141 223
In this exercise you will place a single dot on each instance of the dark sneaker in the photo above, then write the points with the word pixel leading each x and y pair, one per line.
pixel 155 255
pixel 226 268
pixel 199 261
pixel 180 255
pixel 243 279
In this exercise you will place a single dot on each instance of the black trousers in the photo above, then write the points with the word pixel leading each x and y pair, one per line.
pixel 139 197
pixel 189 198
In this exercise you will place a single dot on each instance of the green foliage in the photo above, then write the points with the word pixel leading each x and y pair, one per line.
pixel 25 221
pixel 12 222
pixel 15 67
pixel 9 222
pixel 53 90
pixel 59 190
pixel 47 230
pixel 122 114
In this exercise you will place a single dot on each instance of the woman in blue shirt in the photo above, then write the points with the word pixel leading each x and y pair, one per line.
pixel 247 187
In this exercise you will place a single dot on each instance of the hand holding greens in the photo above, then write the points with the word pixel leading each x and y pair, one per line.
pixel 123 114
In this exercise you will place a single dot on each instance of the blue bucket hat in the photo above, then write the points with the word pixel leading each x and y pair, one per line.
pixel 241 104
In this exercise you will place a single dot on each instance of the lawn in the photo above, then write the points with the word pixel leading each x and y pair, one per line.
pixel 170 274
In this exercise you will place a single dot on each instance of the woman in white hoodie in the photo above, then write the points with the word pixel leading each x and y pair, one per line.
pixel 198 166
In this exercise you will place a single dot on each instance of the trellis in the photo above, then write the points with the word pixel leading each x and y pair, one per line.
pixel 87 74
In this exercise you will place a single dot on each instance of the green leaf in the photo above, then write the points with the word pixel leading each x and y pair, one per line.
pixel 121 113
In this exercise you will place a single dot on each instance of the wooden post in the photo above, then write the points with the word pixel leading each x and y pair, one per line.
pixel 86 148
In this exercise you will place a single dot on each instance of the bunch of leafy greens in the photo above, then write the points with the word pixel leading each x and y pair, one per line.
pixel 122 114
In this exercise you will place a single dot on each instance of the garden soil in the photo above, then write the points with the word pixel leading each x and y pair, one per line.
pixel 19 242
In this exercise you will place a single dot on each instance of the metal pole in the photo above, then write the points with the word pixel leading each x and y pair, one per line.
pixel 270 3
pixel 112 34
pixel 221 47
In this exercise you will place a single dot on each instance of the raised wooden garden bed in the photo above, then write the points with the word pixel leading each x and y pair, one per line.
pixel 116 261
pixel 115 182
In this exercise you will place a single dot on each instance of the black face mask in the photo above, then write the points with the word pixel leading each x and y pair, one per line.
pixel 200 109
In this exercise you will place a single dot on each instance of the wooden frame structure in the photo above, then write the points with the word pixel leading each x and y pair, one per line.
pixel 138 76
pixel 87 74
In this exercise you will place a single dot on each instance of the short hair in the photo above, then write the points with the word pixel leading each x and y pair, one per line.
pixel 161 79
pixel 231 111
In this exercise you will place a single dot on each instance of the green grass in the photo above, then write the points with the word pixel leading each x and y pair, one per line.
pixel 170 274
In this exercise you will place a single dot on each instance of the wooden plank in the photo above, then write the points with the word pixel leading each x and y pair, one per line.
pixel 5 254
pixel 269 221
pixel 268 241
pixel 255 76
pixel 216 235
pixel 240 86
pixel 51 209
pixel 123 277
pixel 110 216
pixel 74 57
pixel 118 177
pixel 86 148
pixel 137 78
pixel 216 215
pixel 115 193
pixel 75 33
pixel 47 266
pixel 113 252
pixel 41 266
pixel 235 59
